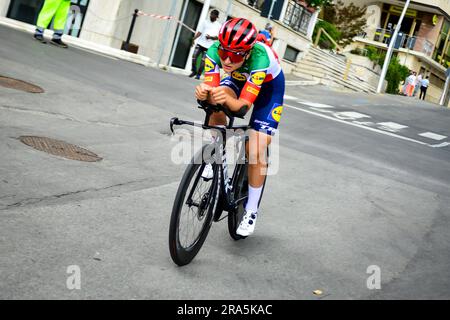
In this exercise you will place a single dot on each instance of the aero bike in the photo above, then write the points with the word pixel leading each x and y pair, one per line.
pixel 200 201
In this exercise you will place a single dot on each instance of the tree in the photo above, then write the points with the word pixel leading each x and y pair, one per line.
pixel 349 20
pixel 396 72
pixel 318 3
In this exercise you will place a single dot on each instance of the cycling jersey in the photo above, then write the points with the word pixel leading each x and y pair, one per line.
pixel 260 81
pixel 262 66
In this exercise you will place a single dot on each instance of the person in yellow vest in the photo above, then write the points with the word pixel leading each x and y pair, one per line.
pixel 56 10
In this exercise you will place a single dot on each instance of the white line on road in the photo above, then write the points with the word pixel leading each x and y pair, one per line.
pixel 441 145
pixel 316 105
pixel 322 110
pixel 350 115
pixel 433 136
pixel 368 128
pixel 391 126
pixel 286 97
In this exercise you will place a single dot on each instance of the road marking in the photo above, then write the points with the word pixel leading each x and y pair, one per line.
pixel 317 105
pixel 368 128
pixel 286 97
pixel 433 136
pixel 322 110
pixel 391 126
pixel 441 145
pixel 350 115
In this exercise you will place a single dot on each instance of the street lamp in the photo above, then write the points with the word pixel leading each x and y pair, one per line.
pixel 391 48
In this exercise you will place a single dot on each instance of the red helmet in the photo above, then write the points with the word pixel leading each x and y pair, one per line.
pixel 238 34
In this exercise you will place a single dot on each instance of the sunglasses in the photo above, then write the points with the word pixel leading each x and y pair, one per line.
pixel 235 57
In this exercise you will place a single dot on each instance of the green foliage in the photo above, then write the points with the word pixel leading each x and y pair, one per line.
pixel 318 3
pixel 324 42
pixel 375 55
pixel 348 19
pixel 395 75
pixel 396 72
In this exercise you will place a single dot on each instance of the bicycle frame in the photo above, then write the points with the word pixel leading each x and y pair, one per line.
pixel 225 184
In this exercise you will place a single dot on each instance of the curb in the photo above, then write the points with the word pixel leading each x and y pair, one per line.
pixel 302 82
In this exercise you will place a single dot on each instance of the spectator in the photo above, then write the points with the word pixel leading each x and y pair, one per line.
pixel 208 33
pixel 423 87
pixel 266 35
pixel 417 84
pixel 56 10
pixel 411 80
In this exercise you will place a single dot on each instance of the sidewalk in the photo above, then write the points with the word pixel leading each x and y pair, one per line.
pixel 291 80
pixel 91 46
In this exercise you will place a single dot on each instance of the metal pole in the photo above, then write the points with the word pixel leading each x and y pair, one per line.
pixel 444 93
pixel 130 32
pixel 391 48
pixel 166 32
pixel 271 9
pixel 177 37
pixel 228 8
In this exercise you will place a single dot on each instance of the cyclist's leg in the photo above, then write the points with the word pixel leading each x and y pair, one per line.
pixel 264 122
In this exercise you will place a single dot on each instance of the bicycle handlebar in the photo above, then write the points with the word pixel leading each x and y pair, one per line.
pixel 218 108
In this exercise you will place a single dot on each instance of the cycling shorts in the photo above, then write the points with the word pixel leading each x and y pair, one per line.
pixel 268 106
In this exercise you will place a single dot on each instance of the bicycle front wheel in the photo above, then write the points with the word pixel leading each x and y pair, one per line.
pixel 192 211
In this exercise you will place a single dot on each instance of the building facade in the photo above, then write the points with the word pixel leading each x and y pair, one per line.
pixel 424 39
pixel 107 22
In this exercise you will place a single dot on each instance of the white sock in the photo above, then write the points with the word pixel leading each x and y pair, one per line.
pixel 253 198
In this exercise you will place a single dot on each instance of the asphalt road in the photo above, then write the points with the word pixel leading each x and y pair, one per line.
pixel 363 181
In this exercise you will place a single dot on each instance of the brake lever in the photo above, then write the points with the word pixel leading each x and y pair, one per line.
pixel 174 121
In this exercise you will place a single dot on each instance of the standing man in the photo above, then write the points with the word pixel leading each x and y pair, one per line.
pixel 266 35
pixel 208 33
pixel 423 87
pixel 57 10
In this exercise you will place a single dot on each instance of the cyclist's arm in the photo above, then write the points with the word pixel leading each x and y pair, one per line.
pixel 225 96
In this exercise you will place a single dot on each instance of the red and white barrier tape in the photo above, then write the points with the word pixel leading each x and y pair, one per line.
pixel 157 16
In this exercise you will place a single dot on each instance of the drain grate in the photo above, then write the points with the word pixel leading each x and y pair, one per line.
pixel 60 148
pixel 19 85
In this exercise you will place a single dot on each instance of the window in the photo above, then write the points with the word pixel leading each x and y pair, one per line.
pixel 436 81
pixel 291 54
pixel 297 17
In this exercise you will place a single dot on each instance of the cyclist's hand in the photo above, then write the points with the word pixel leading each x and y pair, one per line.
pixel 219 95
pixel 201 91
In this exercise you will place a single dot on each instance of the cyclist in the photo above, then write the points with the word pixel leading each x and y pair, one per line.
pixel 253 77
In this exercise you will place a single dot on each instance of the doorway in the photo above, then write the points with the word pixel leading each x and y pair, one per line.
pixel 194 9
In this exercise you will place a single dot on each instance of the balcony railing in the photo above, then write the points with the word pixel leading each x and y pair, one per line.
pixel 297 17
pixel 418 44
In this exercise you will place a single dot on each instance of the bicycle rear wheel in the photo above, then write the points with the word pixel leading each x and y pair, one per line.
pixel 192 211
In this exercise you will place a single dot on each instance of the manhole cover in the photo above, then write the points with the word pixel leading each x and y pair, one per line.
pixel 19 85
pixel 60 148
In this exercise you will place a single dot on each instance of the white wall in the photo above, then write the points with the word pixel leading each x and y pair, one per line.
pixel 4 5
pixel 110 25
